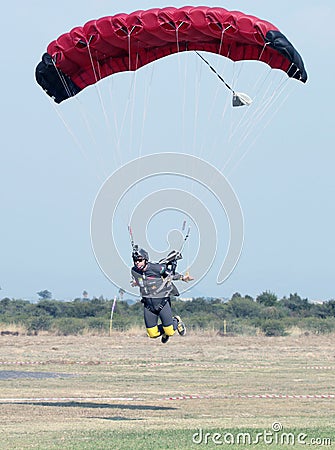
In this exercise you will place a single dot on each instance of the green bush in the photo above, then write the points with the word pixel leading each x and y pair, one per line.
pixel 273 328
pixel 69 326
pixel 239 327
pixel 242 307
pixel 98 323
pixel 317 325
pixel 267 298
pixel 38 323
pixel 243 315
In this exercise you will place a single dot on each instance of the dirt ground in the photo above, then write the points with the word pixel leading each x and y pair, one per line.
pixel 128 381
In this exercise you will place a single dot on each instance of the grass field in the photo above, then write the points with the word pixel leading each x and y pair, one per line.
pixel 199 391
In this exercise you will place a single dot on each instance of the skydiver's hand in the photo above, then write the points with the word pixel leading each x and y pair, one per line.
pixel 187 277
pixel 133 283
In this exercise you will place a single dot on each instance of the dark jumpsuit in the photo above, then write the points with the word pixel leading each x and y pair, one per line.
pixel 155 283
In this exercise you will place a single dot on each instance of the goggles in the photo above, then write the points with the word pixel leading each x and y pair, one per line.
pixel 140 259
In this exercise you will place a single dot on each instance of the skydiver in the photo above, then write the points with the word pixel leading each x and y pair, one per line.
pixel 156 287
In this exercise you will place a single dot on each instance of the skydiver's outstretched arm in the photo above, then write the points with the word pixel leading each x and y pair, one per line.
pixel 177 276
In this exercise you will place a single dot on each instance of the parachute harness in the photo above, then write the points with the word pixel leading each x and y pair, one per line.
pixel 170 261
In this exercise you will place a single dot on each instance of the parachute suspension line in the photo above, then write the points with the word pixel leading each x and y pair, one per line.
pixel 197 88
pixel 127 129
pixel 81 148
pixel 101 101
pixel 61 77
pixel 261 111
pixel 204 143
pixel 214 102
pixel 117 155
pixel 132 108
pixel 263 49
pixel 249 127
pixel 218 87
pixel 222 128
pixel 196 109
pixel 129 53
pixel 225 109
pixel 91 59
pixel 183 82
pixel 177 36
pixel 247 123
pixel 67 126
pixel 185 86
pixel 296 71
pixel 147 93
pixel 130 101
pixel 177 40
pixel 123 121
pixel 256 137
pixel 133 90
pixel 257 86
pixel 270 101
pixel 264 106
pixel 99 71
pixel 96 80
pixel 228 52
pixel 191 185
pixel 221 39
pixel 86 120
pixel 129 49
pixel 171 260
pixel 260 82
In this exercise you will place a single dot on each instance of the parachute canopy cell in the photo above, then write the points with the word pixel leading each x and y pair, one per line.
pixel 126 42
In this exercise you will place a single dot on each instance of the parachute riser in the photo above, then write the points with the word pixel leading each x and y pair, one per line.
pixel 132 242
pixel 171 260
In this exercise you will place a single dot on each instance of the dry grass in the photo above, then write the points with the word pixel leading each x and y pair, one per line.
pixel 13 328
pixel 215 369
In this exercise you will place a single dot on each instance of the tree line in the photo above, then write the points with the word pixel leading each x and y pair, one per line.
pixel 265 314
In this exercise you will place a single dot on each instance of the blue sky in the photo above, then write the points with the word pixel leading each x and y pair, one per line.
pixel 285 182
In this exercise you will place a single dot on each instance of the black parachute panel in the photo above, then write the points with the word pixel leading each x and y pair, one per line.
pixel 280 43
pixel 55 83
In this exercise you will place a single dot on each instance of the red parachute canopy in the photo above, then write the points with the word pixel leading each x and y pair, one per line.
pixel 126 42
